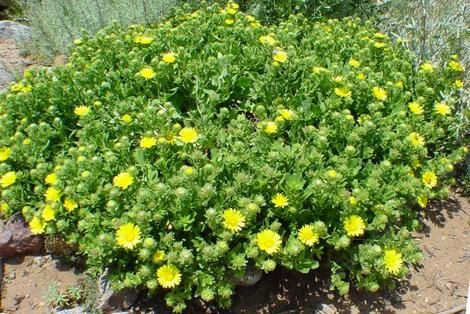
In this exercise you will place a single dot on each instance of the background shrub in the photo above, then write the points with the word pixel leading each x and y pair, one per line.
pixel 177 155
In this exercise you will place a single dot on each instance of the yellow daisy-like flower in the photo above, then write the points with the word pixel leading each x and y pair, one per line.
pixel 127 118
pixel 8 179
pixel 123 180
pixel 455 66
pixel 427 67
pixel 187 170
pixel 343 92
pixel 148 142
pixel 361 76
pixel 458 84
pixel 250 18
pixel 280 200
pixel 416 139
pixel 147 73
pixel 338 78
pixel 128 236
pixel 442 108
pixel 318 70
pixel 143 39
pixel 332 173
pixel 267 40
pixel 234 220
pixel 4 153
pixel 354 63
pixel 280 56
pixel 269 241
pixel 393 261
pixel 379 45
pixel 379 93
pixel 415 108
pixel 52 194
pixel 231 11
pixel 270 128
pixel 169 57
pixel 48 213
pixel 422 201
pixel 158 256
pixel 82 111
pixel 70 204
pixel 287 114
pixel 308 236
pixel 429 179
pixel 229 21
pixel 36 226
pixel 51 179
pixel 188 135
pixel 354 226
pixel 168 276
pixel 4 207
pixel 26 141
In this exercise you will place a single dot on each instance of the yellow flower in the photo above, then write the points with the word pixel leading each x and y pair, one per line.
pixel 280 56
pixel 354 63
pixel 168 276
pixel 267 40
pixel 280 200
pixel 379 45
pixel 308 236
pixel 269 241
pixel 188 135
pixel 82 110
pixel 332 173
pixel 352 201
pixel 231 11
pixel 158 256
pixel 147 73
pixel 318 70
pixel 455 66
pixel 4 153
pixel 148 142
pixel 128 236
pixel 169 57
pixel 415 108
pixel 338 78
pixel 393 261
pixel 52 194
pixel 255 24
pixel 229 21
pixel 144 40
pixel 287 114
pixel 123 180
pixel 416 139
pixel 234 220
pixel 127 118
pixel 429 179
pixel 26 141
pixel 379 93
pixel 8 179
pixel 427 67
pixel 343 92
pixel 36 226
pixel 399 84
pixel 51 179
pixel 250 18
pixel 458 83
pixel 48 213
pixel 70 204
pixel 354 226
pixel 422 201
pixel 270 128
pixel 442 108
pixel 233 5
pixel 187 170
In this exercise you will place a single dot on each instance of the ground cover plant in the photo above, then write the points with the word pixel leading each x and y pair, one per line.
pixel 180 154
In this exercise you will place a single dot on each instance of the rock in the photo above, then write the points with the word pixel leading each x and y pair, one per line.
pixel 75 310
pixel 17 239
pixel 111 300
pixel 251 276
pixel 5 78
pixel 16 31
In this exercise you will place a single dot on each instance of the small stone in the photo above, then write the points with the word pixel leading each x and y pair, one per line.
pixel 39 260
pixel 75 310
pixel 12 276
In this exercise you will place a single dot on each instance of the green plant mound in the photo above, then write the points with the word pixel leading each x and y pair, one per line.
pixel 181 154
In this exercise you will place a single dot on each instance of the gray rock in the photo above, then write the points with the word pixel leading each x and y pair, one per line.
pixel 111 300
pixel 16 31
pixel 17 239
pixel 75 310
pixel 5 78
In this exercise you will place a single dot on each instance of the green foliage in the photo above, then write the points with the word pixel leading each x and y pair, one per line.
pixel 176 155
pixel 55 24
pixel 58 299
